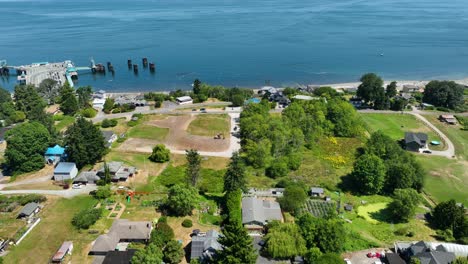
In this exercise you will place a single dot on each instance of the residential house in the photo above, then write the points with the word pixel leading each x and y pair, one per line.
pixel 273 192
pixel 205 245
pixel 109 138
pixel 415 141
pixel 98 103
pixel 449 119
pixel 267 90
pixel 65 171
pixel 29 210
pixel 409 88
pixel 122 231
pixel 256 213
pixel 184 100
pixel 119 257
pixel 428 253
pixel 393 258
pixel 55 154
pixel 118 171
pixel 316 191
pixel 87 177
pixel 101 94
pixel 65 248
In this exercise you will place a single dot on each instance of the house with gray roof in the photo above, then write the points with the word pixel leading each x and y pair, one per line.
pixel 29 210
pixel 118 171
pixel 316 191
pixel 109 138
pixel 257 212
pixel 87 177
pixel 205 245
pixel 122 230
pixel 65 171
pixel 415 141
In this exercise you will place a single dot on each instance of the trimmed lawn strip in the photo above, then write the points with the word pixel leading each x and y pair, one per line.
pixel 148 132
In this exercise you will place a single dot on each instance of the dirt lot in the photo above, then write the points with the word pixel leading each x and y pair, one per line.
pixel 177 138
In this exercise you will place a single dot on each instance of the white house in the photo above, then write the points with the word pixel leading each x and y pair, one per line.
pixel 65 171
pixel 98 103
pixel 184 100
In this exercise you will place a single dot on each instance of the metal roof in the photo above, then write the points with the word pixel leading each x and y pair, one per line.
pixel 203 243
pixel 261 211
pixel 28 209
pixel 65 167
pixel 56 150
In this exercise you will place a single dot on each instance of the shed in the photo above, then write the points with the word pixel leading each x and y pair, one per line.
pixel 449 119
pixel 348 207
pixel 316 191
pixel 66 248
pixel 29 209
pixel 184 100
pixel 65 171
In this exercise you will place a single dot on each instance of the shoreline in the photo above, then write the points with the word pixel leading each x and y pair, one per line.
pixel 344 86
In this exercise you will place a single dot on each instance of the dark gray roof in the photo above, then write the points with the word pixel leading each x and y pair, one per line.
pixel 205 246
pixel 260 211
pixel 87 176
pixel 107 135
pixel 119 257
pixel 393 258
pixel 28 209
pixel 415 137
pixel 436 257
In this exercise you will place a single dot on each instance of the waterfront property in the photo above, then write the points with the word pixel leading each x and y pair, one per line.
pixel 184 100
pixel 65 171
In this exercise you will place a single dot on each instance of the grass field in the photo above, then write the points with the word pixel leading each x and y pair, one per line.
pixel 55 228
pixel 458 137
pixel 63 121
pixel 366 211
pixel 395 126
pixel 9 225
pixel 148 132
pixel 209 125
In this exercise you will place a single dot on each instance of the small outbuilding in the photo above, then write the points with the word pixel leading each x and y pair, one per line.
pixel 316 192
pixel 449 119
pixel 184 100
pixel 65 171
pixel 109 138
pixel 415 141
pixel 66 248
pixel 348 207
pixel 54 154
pixel 29 210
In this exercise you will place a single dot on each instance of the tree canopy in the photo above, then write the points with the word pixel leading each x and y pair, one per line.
pixel 182 200
pixel 173 252
pixel 68 101
pixel 26 144
pixel 234 178
pixel 369 174
pixel 371 88
pixel 449 215
pixel 237 247
pixel 149 255
pixel 49 90
pixel 328 235
pixel 160 154
pixel 192 172
pixel 447 94
pixel 294 196
pixel 85 143
pixel 284 241
pixel 403 206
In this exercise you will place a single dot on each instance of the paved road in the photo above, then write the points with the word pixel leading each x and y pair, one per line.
pixel 63 193
pixel 449 152
pixel 36 180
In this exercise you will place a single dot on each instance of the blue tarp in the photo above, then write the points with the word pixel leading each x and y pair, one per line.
pixel 56 150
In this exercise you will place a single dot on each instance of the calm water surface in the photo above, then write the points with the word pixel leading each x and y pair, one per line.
pixel 240 43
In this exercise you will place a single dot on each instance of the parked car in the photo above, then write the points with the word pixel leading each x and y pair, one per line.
pixel 347 261
pixel 427 151
pixel 76 186
pixel 374 255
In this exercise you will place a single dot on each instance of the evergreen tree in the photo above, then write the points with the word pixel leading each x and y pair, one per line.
pixel 173 252
pixel 235 175
pixel 68 102
pixel 193 167
pixel 29 101
pixel 391 90
pixel 84 96
pixel 237 247
pixel 49 90
pixel 196 86
pixel 85 143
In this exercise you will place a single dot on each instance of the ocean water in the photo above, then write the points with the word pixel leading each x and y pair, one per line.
pixel 239 43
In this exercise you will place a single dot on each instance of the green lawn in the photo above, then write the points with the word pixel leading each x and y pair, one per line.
pixel 63 121
pixel 366 211
pixel 445 178
pixel 148 132
pixel 458 137
pixel 55 228
pixel 395 126
pixel 209 125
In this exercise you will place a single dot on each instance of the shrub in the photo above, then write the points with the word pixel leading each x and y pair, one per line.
pixel 187 223
pixel 86 218
pixel 161 234
pixel 160 154
pixel 36 198
pixel 162 219
pixel 109 123
pixel 88 112
pixel 278 169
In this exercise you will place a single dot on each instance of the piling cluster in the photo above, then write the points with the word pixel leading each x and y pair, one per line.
pixel 145 63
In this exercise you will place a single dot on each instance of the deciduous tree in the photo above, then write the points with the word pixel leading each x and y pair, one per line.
pixel 391 90
pixel 84 96
pixel 294 196
pixel 403 206
pixel 444 93
pixel 369 174
pixel 371 88
pixel 26 144
pixel 160 154
pixel 149 255
pixel 182 200
pixel 449 215
pixel 173 252
pixel 284 241
pixel 49 90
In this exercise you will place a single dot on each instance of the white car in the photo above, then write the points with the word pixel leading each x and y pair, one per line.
pixel 76 186
pixel 347 261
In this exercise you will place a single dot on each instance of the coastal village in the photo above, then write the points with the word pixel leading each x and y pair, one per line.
pixel 374 172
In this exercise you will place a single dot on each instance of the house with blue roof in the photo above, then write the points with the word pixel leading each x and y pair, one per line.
pixel 55 154
pixel 65 171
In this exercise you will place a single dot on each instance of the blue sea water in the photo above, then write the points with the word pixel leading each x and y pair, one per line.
pixel 239 43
